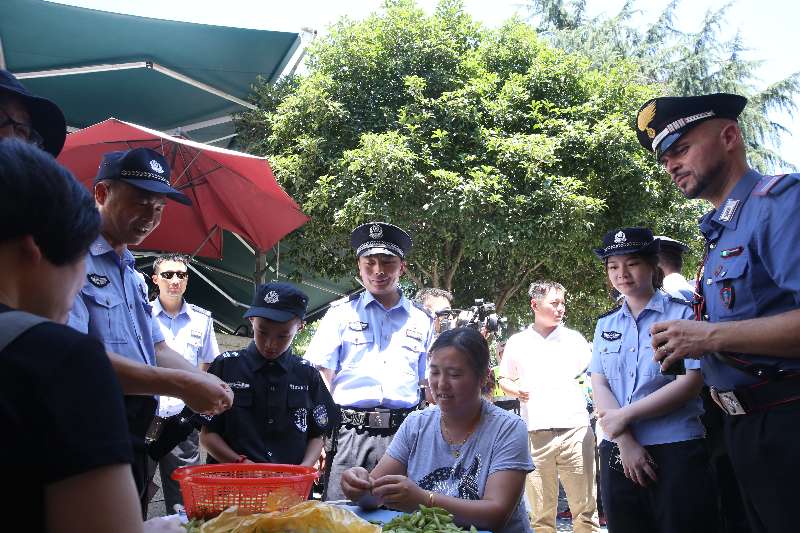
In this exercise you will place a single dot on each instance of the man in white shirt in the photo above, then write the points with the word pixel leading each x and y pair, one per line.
pixel 670 259
pixel 540 367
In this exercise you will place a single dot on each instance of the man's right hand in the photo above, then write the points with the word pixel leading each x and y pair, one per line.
pixel 206 394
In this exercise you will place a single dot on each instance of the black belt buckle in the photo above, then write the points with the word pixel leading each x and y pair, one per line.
pixel 379 418
pixel 728 402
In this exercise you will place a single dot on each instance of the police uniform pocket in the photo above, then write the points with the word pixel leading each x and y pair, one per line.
pixel 728 283
pixel 610 357
pixel 357 337
pixel 107 315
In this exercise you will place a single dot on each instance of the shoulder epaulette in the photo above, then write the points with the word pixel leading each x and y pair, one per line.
pixel 200 310
pixel 677 300
pixel 346 299
pixel 610 312
pixel 774 184
pixel 424 309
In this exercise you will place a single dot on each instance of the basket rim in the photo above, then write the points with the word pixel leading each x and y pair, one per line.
pixel 200 473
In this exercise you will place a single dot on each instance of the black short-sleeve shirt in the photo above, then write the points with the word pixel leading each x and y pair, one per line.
pixel 61 413
pixel 278 405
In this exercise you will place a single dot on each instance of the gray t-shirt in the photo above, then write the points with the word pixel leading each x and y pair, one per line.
pixel 500 442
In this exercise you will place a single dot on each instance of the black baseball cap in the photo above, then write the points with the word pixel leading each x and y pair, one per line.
pixel 46 117
pixel 624 241
pixel 280 302
pixel 662 121
pixel 143 168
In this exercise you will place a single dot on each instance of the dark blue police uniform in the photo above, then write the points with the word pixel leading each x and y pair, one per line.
pixel 749 271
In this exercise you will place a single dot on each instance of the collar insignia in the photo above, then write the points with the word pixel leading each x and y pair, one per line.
pixel 97 280
pixel 729 209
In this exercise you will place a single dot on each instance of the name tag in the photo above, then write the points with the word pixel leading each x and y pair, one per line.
pixel 238 385
pixel 292 386
pixel 414 334
pixel 197 333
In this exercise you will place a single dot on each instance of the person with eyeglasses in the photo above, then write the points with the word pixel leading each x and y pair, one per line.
pixel 30 118
pixel 189 330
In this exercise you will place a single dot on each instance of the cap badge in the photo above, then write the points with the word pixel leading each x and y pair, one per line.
pixel 375 231
pixel 619 238
pixel 271 297
pixel 156 166
pixel 645 117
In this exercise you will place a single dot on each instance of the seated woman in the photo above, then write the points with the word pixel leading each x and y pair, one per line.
pixel 654 473
pixel 66 448
pixel 463 454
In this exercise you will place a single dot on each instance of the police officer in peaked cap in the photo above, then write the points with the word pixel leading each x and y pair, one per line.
pixel 372 351
pixel 748 327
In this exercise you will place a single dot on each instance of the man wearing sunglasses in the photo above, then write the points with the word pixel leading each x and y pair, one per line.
pixel 189 330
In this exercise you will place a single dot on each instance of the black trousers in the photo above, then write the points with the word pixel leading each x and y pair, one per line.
pixel 140 411
pixel 763 447
pixel 683 500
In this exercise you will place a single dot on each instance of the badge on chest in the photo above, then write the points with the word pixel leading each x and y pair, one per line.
pixel 357 325
pixel 414 334
pixel 98 280
pixel 611 335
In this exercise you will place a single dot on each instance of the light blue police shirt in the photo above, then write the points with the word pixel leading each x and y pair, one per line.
pixel 623 353
pixel 752 267
pixel 378 355
pixel 191 334
pixel 112 306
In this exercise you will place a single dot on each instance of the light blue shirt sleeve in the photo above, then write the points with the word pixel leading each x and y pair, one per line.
pixel 210 349
pixel 323 351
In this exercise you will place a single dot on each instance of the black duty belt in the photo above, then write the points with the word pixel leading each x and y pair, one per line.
pixel 758 397
pixel 374 418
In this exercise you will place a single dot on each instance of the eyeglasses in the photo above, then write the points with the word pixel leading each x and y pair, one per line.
pixel 21 129
pixel 169 273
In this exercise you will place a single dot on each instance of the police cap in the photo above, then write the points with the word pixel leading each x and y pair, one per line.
pixel 143 168
pixel 624 241
pixel 661 121
pixel 280 302
pixel 671 245
pixel 380 238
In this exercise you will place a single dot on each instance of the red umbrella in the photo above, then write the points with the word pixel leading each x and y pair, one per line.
pixel 229 190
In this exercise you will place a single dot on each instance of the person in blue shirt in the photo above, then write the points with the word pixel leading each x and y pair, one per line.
pixel 131 189
pixel 748 327
pixel 653 461
pixel 189 330
pixel 372 352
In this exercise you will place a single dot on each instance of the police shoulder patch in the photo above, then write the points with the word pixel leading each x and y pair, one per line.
pixel 346 299
pixel 773 185
pixel 610 311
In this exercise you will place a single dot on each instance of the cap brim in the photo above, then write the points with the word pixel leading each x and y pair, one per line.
pixel 270 314
pixel 48 120
pixel 159 188
pixel 379 250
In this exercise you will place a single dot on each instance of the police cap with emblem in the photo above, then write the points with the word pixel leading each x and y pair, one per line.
pixel 47 120
pixel 624 241
pixel 380 238
pixel 661 121
pixel 671 245
pixel 143 168
pixel 280 302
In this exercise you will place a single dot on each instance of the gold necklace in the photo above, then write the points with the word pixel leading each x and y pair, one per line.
pixel 457 445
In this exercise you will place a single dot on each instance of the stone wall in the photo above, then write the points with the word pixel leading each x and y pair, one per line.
pixel 231 342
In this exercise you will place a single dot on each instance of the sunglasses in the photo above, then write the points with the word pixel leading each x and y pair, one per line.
pixel 169 273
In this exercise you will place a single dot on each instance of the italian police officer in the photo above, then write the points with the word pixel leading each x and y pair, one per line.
pixel 372 351
pixel 748 332
pixel 131 189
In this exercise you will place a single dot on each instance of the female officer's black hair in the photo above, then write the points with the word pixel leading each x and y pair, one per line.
pixel 41 198
pixel 468 341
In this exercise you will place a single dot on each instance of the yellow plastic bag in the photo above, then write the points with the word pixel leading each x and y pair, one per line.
pixel 306 517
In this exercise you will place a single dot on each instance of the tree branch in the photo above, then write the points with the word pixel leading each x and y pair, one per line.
pixel 454 262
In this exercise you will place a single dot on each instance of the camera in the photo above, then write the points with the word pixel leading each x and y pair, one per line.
pixel 481 315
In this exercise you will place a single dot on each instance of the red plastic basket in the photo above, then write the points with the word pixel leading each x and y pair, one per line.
pixel 256 488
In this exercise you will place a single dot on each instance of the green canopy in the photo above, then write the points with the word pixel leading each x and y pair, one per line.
pixel 169 76
pixel 162 74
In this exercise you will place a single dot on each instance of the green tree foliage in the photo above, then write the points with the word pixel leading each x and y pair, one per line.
pixel 681 63
pixel 504 157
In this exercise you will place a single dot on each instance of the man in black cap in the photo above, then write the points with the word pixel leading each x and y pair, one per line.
pixel 372 351
pixel 749 305
pixel 41 122
pixel 31 118
pixel 130 191
pixel 282 406
pixel 670 260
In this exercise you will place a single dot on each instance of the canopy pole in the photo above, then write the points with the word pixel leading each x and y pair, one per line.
pixel 259 276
